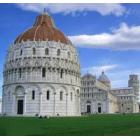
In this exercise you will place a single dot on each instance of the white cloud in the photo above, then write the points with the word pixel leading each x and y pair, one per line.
pixel 118 78
pixel 103 9
pixel 98 69
pixel 123 38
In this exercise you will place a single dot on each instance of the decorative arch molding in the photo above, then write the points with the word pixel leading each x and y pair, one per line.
pixel 19 90
pixel 72 89
pixel 31 87
pixel 78 91
pixel 88 102
pixel 36 86
pixel 63 89
pixel 8 90
pixel 99 104
pixel 47 64
pixel 50 88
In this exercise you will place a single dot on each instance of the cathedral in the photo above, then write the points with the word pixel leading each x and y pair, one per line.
pixel 41 73
pixel 97 96
pixel 42 77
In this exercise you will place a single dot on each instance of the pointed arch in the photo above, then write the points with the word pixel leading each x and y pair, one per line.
pixel 46 51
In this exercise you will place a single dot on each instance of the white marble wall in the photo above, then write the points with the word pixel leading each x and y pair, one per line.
pixel 127 104
pixel 93 101
pixel 40 105
pixel 16 87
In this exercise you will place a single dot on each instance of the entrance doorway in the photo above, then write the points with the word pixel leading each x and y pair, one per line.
pixel 20 107
pixel 99 110
pixel 88 109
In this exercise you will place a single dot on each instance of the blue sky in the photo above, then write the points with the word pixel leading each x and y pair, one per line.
pixel 107 37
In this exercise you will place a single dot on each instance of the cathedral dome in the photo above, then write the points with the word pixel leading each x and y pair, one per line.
pixel 104 79
pixel 88 75
pixel 43 30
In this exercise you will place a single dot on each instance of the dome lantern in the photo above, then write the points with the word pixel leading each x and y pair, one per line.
pixel 104 79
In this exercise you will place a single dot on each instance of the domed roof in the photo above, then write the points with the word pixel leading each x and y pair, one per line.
pixel 43 30
pixel 88 75
pixel 103 78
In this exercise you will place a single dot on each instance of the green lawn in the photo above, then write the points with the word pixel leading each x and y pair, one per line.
pixel 98 125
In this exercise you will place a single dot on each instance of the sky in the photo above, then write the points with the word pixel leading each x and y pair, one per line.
pixel 107 36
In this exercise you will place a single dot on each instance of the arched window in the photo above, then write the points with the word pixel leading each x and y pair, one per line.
pixel 48 95
pixel 71 96
pixel 21 52
pixel 34 51
pixel 33 95
pixel 68 54
pixel 9 96
pixel 58 52
pixel 20 73
pixel 77 91
pixel 46 51
pixel 43 72
pixel 61 73
pixel 61 96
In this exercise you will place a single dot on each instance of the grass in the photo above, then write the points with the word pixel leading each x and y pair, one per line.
pixel 96 125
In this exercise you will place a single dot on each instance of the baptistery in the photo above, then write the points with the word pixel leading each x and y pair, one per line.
pixel 41 73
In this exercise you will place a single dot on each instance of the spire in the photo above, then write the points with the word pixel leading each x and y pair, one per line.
pixel 103 72
pixel 45 12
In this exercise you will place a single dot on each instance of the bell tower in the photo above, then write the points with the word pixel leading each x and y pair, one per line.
pixel 134 82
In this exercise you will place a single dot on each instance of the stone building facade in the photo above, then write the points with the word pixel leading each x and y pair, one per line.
pixel 97 96
pixel 41 73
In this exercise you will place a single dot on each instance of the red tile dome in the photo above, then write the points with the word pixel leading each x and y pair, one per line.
pixel 43 30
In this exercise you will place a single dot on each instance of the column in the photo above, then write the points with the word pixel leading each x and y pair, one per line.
pixel 25 103
pixel 107 106
pixel 79 107
pixel 75 104
pixel 26 72
pixel 13 104
pixel 15 75
pixel 10 76
pixel 40 106
pixel 31 74
pixel 66 104
pixel 54 104
pixel 3 103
